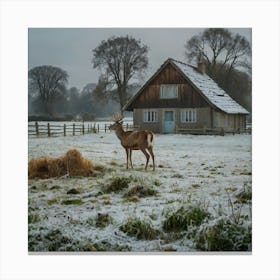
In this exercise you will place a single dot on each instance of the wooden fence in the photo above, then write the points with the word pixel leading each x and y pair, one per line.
pixel 49 129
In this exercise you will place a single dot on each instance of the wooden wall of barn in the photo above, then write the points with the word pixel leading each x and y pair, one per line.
pixel 206 118
pixel 203 119
pixel 188 97
pixel 230 122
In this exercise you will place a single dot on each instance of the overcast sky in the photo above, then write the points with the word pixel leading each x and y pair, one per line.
pixel 71 48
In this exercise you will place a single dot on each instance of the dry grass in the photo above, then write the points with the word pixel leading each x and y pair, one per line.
pixel 71 163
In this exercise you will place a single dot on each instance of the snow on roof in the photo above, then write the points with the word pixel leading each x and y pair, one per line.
pixel 210 89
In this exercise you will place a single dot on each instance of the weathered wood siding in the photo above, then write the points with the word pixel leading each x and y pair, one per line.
pixel 206 118
pixel 188 97
pixel 138 119
pixel 230 122
pixel 203 119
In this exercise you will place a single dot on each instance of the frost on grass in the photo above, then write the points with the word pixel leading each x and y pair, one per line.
pixel 198 199
pixel 184 217
pixel 139 229
pixel 140 191
pixel 117 184
pixel 224 235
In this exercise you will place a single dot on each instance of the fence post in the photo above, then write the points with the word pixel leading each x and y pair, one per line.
pixel 83 129
pixel 64 129
pixel 127 126
pixel 98 127
pixel 105 127
pixel 49 130
pixel 37 128
pixel 73 129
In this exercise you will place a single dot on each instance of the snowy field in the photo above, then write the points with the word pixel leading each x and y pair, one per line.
pixel 198 199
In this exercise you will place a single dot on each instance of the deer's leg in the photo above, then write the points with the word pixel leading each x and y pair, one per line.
pixel 150 149
pixel 127 154
pixel 130 154
pixel 147 157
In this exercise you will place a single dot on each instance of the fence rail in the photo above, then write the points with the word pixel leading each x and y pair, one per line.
pixel 49 129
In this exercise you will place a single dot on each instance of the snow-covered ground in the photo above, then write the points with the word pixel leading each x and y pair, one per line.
pixel 209 171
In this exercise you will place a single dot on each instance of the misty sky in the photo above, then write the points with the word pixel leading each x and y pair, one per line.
pixel 71 48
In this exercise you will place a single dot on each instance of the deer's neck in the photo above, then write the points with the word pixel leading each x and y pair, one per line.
pixel 120 132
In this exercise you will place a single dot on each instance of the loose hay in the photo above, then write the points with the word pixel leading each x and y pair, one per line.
pixel 71 163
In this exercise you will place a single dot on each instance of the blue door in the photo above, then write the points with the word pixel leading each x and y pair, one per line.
pixel 169 123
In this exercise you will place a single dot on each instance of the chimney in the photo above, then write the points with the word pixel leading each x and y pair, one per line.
pixel 201 65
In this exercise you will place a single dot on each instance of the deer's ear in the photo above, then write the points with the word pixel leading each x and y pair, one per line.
pixel 121 122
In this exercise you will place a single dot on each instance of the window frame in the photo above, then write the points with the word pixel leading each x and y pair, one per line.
pixel 189 115
pixel 169 97
pixel 150 116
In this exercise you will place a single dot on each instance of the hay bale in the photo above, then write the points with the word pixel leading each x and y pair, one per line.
pixel 38 168
pixel 71 163
pixel 76 164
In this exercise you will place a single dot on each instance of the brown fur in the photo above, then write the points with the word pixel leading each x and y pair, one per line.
pixel 135 140
pixel 71 163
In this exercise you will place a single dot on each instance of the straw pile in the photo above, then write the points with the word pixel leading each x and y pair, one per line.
pixel 71 163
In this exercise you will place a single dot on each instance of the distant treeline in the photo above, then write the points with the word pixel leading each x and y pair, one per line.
pixel 73 104
pixel 67 117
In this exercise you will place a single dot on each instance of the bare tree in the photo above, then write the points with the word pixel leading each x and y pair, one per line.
pixel 120 59
pixel 220 46
pixel 228 61
pixel 48 83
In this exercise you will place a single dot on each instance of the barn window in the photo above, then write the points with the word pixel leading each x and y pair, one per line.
pixel 188 116
pixel 150 116
pixel 168 91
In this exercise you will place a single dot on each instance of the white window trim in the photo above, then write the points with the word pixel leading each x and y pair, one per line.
pixel 168 85
pixel 150 116
pixel 192 112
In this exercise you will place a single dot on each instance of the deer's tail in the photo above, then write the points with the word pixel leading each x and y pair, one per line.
pixel 150 139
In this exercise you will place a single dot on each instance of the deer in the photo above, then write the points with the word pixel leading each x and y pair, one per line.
pixel 134 140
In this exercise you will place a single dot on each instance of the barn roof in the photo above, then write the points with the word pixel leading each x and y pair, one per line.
pixel 203 83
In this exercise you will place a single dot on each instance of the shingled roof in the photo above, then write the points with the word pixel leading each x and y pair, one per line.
pixel 204 84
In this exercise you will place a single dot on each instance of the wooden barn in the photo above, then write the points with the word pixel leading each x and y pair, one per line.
pixel 181 98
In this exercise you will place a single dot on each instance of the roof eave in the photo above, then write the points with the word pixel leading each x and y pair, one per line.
pixel 203 95
pixel 127 106
pixel 195 87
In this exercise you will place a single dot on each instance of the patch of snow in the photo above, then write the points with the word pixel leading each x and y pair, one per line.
pixel 208 169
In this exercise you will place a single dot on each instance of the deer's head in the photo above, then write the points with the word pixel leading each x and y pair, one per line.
pixel 117 119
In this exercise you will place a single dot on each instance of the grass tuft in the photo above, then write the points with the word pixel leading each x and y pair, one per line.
pixel 133 198
pixel 185 217
pixel 140 191
pixel 33 218
pixel 245 172
pixel 224 235
pixel 117 184
pixel 56 240
pixel 103 220
pixel 245 195
pixel 72 202
pixel 73 191
pixel 139 229
pixel 52 201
